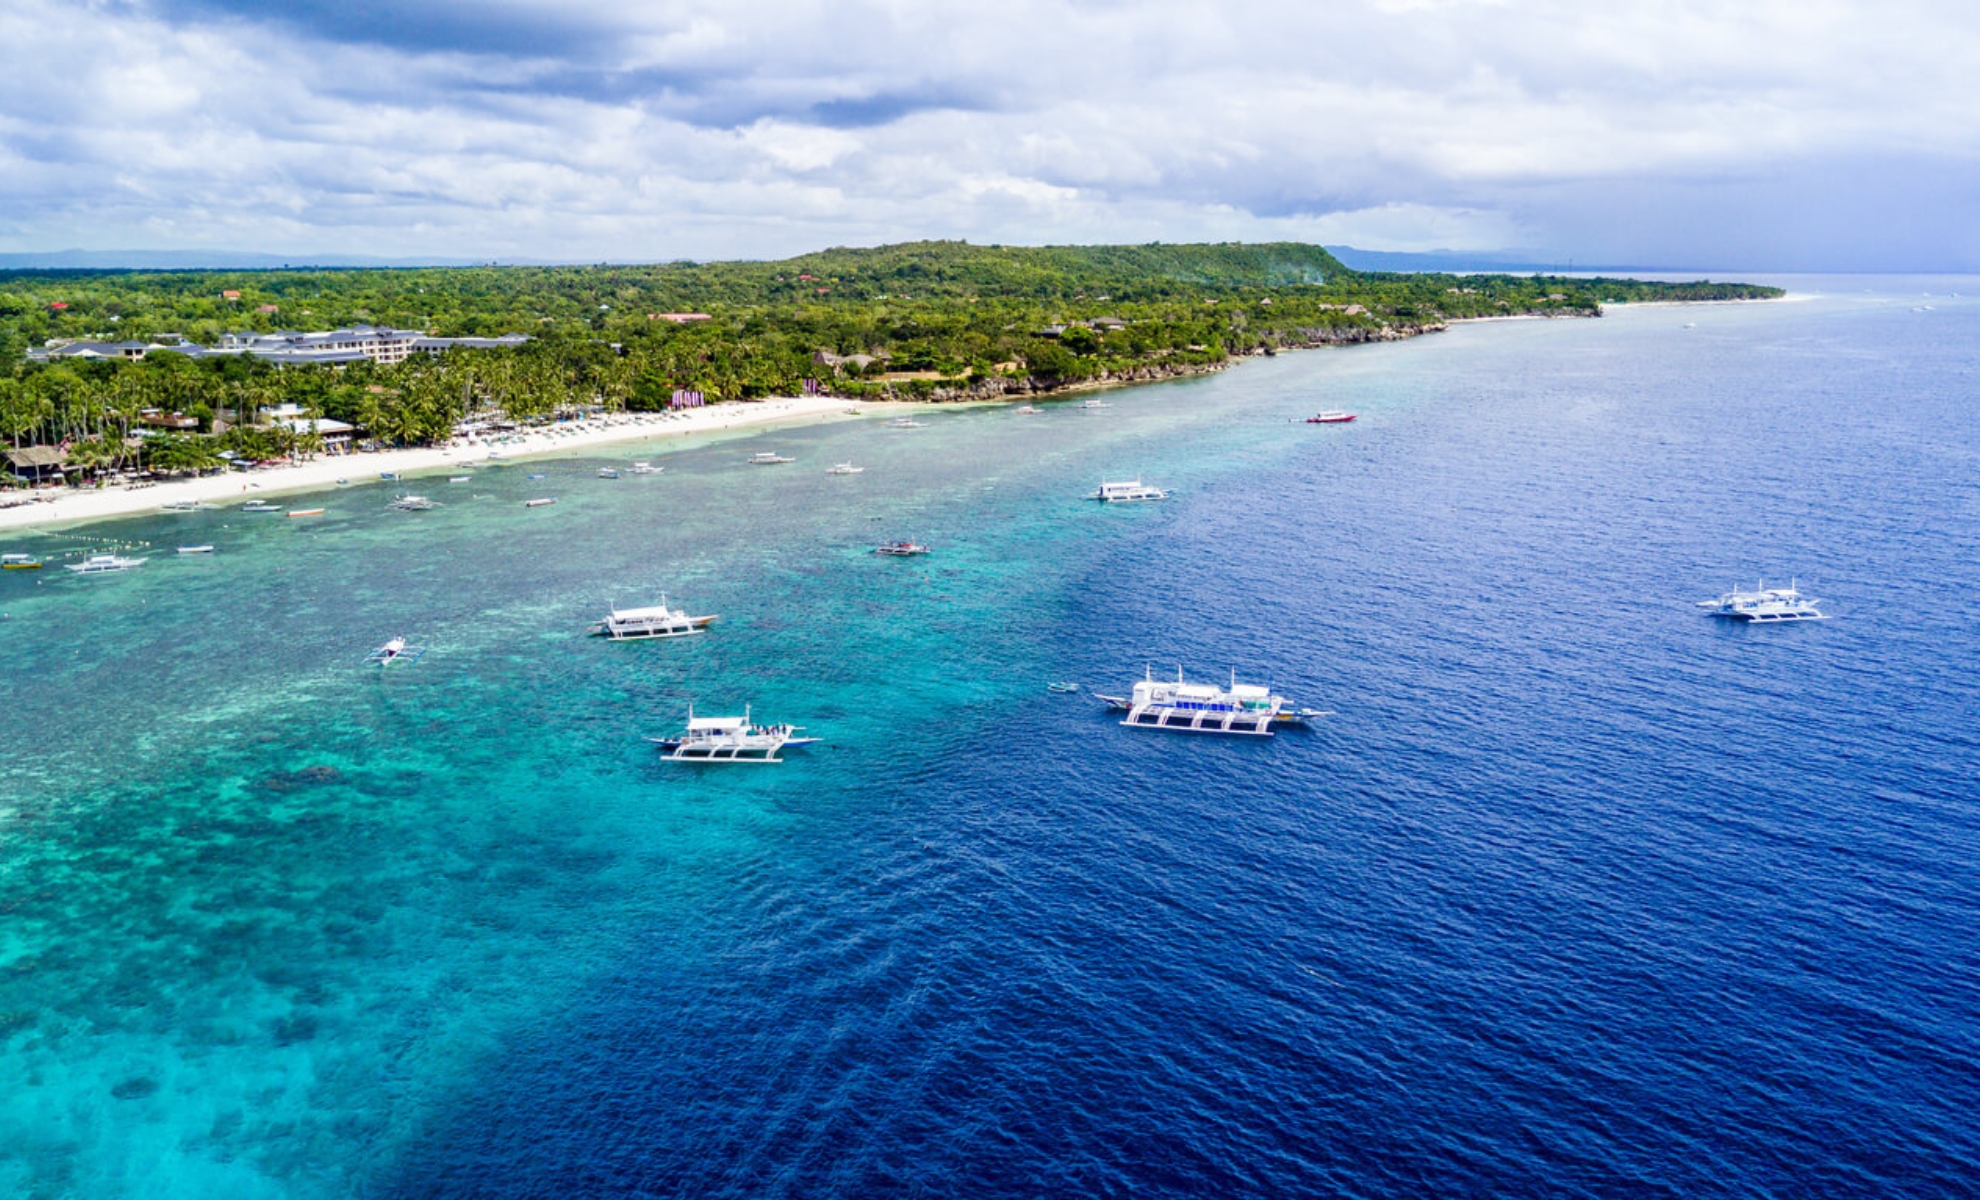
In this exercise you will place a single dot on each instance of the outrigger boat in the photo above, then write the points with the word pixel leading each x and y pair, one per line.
pixel 104 564
pixel 764 458
pixel 19 562
pixel 1063 688
pixel 195 549
pixel 260 506
pixel 413 504
pixel 906 549
pixel 1119 491
pixel 608 473
pixel 394 651
pixel 1765 605
pixel 658 621
pixel 1206 708
pixel 645 468
pixel 729 740
pixel 846 468
pixel 182 506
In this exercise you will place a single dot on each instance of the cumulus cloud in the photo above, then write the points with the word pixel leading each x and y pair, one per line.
pixel 1639 129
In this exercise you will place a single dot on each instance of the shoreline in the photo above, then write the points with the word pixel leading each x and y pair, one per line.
pixel 71 507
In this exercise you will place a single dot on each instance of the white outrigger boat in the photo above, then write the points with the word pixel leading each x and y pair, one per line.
pixel 1094 404
pixel 182 506
pixel 907 549
pixel 196 549
pixel 645 468
pixel 1765 605
pixel 394 651
pixel 1121 490
pixel 105 564
pixel 765 458
pixel 413 504
pixel 729 740
pixel 1206 708
pixel 608 472
pixel 657 621
pixel 260 506
pixel 846 468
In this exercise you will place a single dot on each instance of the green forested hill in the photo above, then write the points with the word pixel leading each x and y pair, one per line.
pixel 981 318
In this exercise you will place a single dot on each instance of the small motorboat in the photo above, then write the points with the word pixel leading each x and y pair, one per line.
pixel 459 478
pixel 645 468
pixel 846 468
pixel 1332 416
pixel 182 506
pixel 413 504
pixel 195 549
pixel 907 549
pixel 389 476
pixel 608 473
pixel 540 502
pixel 260 506
pixel 1095 404
pixel 19 562
pixel 765 458
pixel 538 475
pixel 1063 687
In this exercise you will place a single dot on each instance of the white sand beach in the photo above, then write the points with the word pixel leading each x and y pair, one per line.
pixel 68 505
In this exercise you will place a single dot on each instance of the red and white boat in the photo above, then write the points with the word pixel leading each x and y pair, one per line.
pixel 1330 417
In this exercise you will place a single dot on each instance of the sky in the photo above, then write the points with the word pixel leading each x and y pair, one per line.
pixel 1777 135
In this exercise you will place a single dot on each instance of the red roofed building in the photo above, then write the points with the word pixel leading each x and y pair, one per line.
pixel 59 305
pixel 230 295
pixel 267 308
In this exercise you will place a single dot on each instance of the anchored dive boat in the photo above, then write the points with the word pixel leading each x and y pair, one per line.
pixel 1119 491
pixel 1765 606
pixel 657 621
pixel 105 564
pixel 729 740
pixel 1207 708
pixel 846 468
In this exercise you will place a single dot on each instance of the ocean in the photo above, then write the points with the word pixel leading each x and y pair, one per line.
pixel 1578 893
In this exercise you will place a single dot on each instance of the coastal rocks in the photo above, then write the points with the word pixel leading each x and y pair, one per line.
pixel 1001 387
pixel 1355 335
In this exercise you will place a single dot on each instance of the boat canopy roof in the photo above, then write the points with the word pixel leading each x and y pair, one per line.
pixel 717 724
pixel 656 612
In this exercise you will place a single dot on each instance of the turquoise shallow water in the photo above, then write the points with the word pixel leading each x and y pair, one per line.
pixel 1579 893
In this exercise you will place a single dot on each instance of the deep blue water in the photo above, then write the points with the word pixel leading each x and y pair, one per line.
pixel 1579 893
